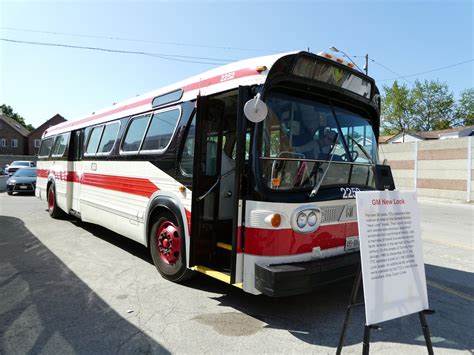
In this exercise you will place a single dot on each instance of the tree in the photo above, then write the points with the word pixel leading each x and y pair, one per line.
pixel 465 107
pixel 8 111
pixel 433 106
pixel 397 109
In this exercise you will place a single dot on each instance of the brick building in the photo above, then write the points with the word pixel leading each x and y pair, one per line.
pixel 34 138
pixel 13 137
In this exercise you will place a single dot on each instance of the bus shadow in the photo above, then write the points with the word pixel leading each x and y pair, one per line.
pixel 126 244
pixel 317 318
pixel 46 308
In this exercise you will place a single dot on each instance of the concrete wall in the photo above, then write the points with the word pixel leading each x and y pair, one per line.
pixel 437 168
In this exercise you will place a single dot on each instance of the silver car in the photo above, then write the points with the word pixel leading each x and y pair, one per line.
pixel 17 164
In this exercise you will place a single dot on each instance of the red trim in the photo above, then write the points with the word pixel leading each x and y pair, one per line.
pixel 194 86
pixel 69 176
pixel 135 186
pixel 188 219
pixel 282 242
pixel 42 173
pixel 107 113
pixel 237 74
pixel 130 185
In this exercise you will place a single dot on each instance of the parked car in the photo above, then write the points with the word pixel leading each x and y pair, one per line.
pixel 23 180
pixel 17 164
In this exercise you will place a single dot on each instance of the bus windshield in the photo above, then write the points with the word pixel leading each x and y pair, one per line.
pixel 302 138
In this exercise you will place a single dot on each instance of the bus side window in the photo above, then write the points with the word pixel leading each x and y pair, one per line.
pixel 187 156
pixel 93 141
pixel 108 139
pixel 134 135
pixel 61 144
pixel 161 130
pixel 45 148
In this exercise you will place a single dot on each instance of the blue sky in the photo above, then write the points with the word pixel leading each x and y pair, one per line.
pixel 38 81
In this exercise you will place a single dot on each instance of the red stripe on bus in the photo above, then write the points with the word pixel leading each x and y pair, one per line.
pixel 222 78
pixel 135 186
pixel 194 86
pixel 100 115
pixel 281 242
pixel 42 173
pixel 69 176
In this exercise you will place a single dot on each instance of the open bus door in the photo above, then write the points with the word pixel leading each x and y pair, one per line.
pixel 219 154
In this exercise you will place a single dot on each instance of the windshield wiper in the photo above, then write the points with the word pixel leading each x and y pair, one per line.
pixel 369 158
pixel 316 188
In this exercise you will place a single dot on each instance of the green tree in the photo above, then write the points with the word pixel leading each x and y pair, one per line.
pixel 433 106
pixel 397 109
pixel 465 107
pixel 8 111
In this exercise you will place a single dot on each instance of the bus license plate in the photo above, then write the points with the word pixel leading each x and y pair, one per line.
pixel 352 243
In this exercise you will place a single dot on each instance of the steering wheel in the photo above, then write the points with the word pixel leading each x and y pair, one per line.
pixel 352 156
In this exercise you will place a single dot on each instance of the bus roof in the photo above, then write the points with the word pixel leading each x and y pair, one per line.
pixel 245 72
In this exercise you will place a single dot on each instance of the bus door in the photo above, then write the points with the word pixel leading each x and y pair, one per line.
pixel 218 155
pixel 75 171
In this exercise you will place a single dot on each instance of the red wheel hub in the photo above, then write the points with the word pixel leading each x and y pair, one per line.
pixel 168 241
pixel 51 199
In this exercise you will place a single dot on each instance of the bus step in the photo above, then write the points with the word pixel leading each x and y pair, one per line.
pixel 219 275
pixel 224 246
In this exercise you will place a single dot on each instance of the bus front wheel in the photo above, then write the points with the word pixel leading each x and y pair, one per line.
pixel 167 245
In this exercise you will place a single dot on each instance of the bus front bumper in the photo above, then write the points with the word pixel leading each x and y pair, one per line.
pixel 281 280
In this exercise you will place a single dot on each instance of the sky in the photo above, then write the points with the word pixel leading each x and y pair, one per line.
pixel 402 37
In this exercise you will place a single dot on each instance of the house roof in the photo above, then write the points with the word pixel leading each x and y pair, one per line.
pixel 437 134
pixel 15 125
pixel 47 124
pixel 401 134
pixel 384 139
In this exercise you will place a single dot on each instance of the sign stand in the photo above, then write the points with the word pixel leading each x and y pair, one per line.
pixel 384 181
pixel 368 328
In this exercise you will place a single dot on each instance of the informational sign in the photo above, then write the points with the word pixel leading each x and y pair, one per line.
pixel 393 270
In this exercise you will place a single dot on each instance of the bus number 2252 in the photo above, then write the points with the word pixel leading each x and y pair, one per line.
pixel 349 192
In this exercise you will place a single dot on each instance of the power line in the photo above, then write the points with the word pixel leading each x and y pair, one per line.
pixel 136 40
pixel 391 71
pixel 174 57
pixel 421 73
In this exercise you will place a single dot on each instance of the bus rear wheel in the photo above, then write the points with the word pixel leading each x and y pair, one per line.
pixel 167 245
pixel 53 208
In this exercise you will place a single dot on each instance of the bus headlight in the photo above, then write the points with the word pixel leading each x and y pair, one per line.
pixel 312 219
pixel 301 220
pixel 306 219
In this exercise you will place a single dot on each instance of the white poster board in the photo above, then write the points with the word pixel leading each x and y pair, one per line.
pixel 393 270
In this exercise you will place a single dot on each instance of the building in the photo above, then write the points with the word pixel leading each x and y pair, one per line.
pixel 34 138
pixel 407 137
pixel 13 137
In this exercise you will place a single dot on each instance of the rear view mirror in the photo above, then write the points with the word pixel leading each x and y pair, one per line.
pixel 255 109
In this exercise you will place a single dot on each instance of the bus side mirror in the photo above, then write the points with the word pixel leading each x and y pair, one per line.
pixel 255 109
pixel 383 177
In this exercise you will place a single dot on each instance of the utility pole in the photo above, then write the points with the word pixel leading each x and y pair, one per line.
pixel 366 64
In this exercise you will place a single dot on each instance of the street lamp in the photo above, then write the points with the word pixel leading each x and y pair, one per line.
pixel 366 67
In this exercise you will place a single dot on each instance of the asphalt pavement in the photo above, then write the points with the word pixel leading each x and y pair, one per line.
pixel 74 288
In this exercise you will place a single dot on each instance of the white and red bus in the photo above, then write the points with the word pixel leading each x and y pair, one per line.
pixel 262 201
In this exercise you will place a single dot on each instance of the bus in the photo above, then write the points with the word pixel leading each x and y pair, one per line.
pixel 246 173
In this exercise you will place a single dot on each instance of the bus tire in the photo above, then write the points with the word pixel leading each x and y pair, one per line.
pixel 53 208
pixel 167 246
